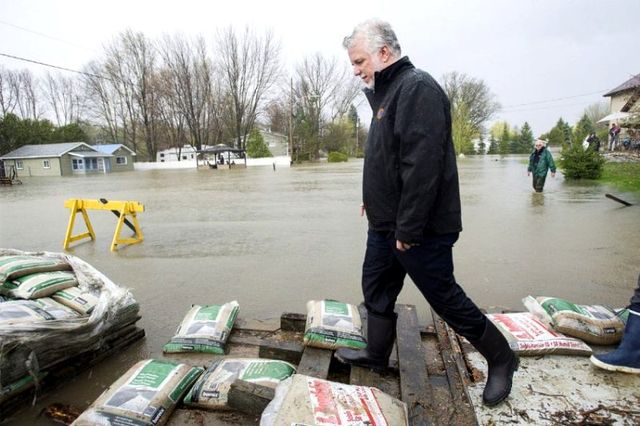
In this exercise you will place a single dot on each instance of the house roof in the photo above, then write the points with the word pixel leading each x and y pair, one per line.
pixel 632 83
pixel 44 150
pixel 111 148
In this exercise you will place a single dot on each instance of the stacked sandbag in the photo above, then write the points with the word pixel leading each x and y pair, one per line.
pixel 211 391
pixel 146 394
pixel 55 306
pixel 204 329
pixel 527 335
pixel 304 400
pixel 596 324
pixel 332 324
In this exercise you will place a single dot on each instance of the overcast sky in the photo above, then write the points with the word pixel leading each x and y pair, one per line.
pixel 528 52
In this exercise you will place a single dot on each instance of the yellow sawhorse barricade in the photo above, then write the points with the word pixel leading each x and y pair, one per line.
pixel 121 209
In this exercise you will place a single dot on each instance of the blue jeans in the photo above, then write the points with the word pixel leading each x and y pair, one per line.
pixel 634 303
pixel 430 266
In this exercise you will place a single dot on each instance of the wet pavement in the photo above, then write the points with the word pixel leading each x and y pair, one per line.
pixel 272 240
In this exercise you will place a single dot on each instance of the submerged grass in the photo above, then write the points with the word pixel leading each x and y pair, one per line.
pixel 625 176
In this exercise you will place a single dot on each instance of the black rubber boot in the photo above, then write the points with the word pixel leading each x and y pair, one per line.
pixel 502 362
pixel 381 333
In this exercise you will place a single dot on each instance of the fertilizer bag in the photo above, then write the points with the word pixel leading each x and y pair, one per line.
pixel 76 299
pixel 304 400
pixel 147 394
pixel 14 266
pixel 332 324
pixel 211 391
pixel 594 324
pixel 40 284
pixel 529 336
pixel 204 329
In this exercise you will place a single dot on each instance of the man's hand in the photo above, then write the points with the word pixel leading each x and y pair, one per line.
pixel 362 209
pixel 553 174
pixel 528 173
pixel 402 246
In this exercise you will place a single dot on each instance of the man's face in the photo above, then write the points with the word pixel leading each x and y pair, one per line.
pixel 364 63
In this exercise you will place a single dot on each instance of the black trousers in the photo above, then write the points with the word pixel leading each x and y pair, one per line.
pixel 538 182
pixel 635 299
pixel 430 266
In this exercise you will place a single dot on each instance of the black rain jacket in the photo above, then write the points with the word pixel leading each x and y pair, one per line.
pixel 410 180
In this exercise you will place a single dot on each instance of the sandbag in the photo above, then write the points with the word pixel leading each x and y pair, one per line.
pixel 211 391
pixel 304 400
pixel 76 299
pixel 146 394
pixel 40 284
pixel 33 311
pixel 332 324
pixel 595 324
pixel 14 266
pixel 204 329
pixel 529 336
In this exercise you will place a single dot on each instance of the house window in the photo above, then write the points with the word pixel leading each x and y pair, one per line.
pixel 91 164
pixel 184 157
pixel 77 164
pixel 121 160
pixel 162 155
pixel 19 165
pixel 46 164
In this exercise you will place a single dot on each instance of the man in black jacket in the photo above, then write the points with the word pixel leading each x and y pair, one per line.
pixel 412 201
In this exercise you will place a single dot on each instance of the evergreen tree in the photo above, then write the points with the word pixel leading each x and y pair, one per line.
pixel 582 129
pixel 525 140
pixel 503 143
pixel 493 145
pixel 256 148
pixel 555 137
pixel 578 163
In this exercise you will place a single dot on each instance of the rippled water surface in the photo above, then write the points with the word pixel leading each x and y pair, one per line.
pixel 274 240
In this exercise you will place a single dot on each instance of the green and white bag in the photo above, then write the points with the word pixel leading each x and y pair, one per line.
pixel 332 324
pixel 76 299
pixel 40 284
pixel 147 394
pixel 211 391
pixel 19 265
pixel 31 311
pixel 595 324
pixel 204 329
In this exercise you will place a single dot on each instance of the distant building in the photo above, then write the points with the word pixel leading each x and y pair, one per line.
pixel 69 158
pixel 624 98
pixel 185 153
pixel 277 143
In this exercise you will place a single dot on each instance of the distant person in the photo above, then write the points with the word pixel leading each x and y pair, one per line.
pixel 540 162
pixel 614 131
pixel 220 158
pixel 626 358
pixel 413 207
pixel 593 142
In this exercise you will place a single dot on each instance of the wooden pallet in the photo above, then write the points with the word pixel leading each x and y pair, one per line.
pixel 426 370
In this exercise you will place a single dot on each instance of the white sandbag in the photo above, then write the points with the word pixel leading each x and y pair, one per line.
pixel 204 329
pixel 13 266
pixel 147 394
pixel 332 324
pixel 595 324
pixel 304 400
pixel 529 336
pixel 211 391
pixel 33 311
pixel 40 284
pixel 76 299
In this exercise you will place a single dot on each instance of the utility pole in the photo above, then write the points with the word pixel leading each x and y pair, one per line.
pixel 291 122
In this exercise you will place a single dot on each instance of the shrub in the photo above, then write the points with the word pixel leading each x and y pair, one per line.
pixel 578 163
pixel 337 157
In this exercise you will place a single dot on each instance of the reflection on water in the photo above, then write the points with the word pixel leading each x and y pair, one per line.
pixel 274 240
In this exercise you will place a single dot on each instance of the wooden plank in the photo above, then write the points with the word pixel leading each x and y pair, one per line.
pixel 415 388
pixel 249 398
pixel 293 322
pixel 282 350
pixel 315 362
pixel 454 365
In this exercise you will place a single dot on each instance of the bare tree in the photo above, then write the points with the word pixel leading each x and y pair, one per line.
pixel 27 91
pixel 65 99
pixel 103 101
pixel 189 75
pixel 249 65
pixel 476 102
pixel 8 90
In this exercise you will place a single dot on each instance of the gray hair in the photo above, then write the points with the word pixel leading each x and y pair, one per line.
pixel 376 34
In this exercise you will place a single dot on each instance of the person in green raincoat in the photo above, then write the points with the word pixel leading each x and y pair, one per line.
pixel 540 162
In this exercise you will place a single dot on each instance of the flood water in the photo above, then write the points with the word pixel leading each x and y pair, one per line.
pixel 272 240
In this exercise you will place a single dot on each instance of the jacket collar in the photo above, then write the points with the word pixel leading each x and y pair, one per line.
pixel 386 76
